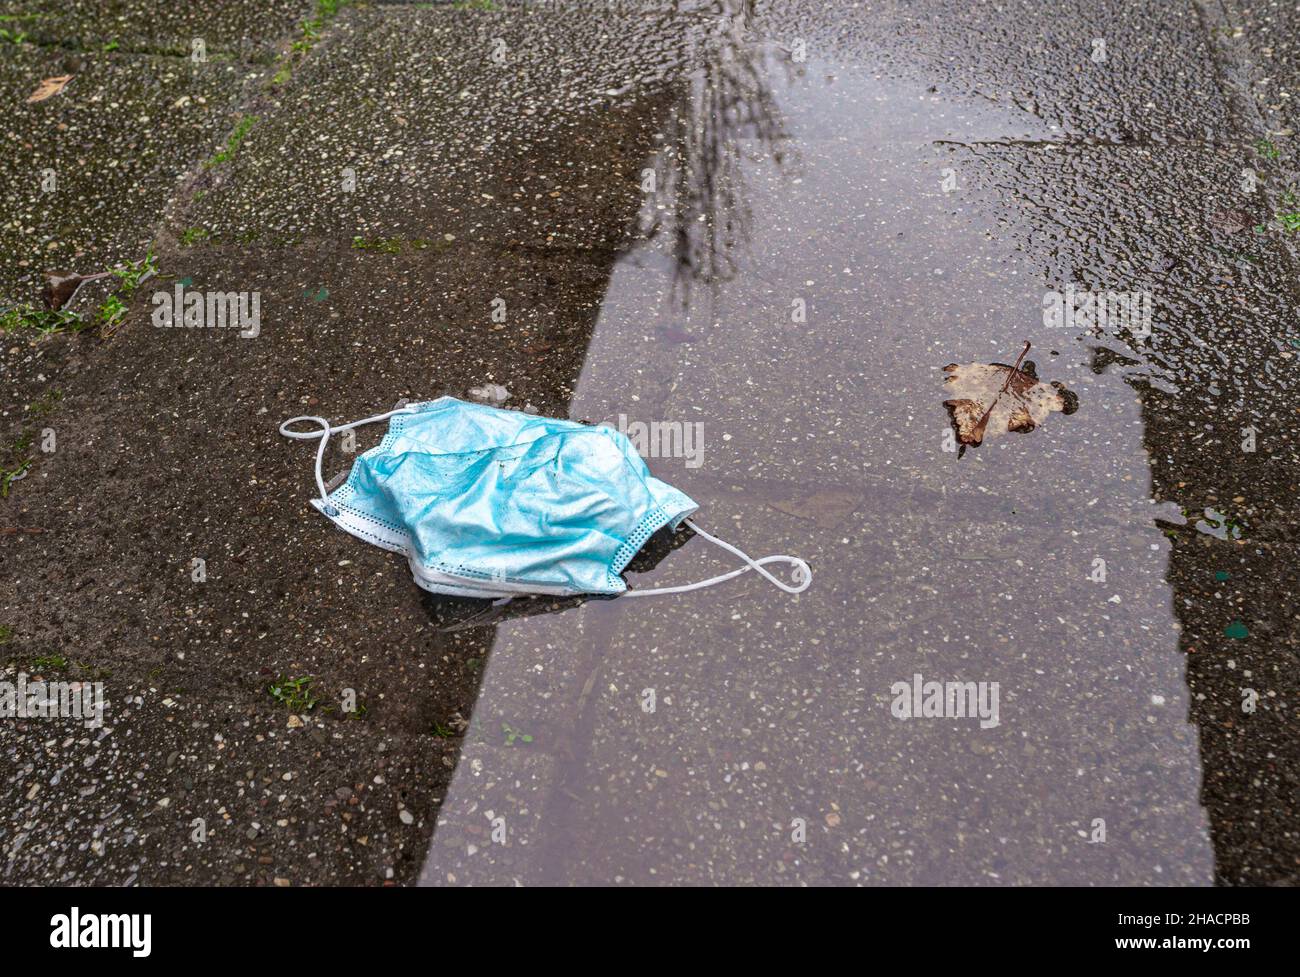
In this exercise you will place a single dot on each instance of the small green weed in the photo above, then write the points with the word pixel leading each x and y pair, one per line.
pixel 10 475
pixel 312 30
pixel 384 245
pixel 112 311
pixel 295 693
pixel 513 734
pixel 134 272
pixel 41 321
pixel 1267 149
pixel 242 128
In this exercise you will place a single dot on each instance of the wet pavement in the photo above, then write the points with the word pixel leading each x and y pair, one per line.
pixel 764 232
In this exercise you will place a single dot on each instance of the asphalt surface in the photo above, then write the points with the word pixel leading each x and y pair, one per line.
pixel 772 227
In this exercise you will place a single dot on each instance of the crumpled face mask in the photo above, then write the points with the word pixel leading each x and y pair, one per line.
pixel 494 503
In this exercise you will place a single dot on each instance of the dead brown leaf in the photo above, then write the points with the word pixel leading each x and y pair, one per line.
pixel 826 507
pixel 49 87
pixel 989 399
pixel 1231 221
pixel 62 286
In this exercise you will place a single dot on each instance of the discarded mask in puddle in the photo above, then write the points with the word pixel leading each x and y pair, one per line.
pixel 452 614
pixel 990 399
pixel 499 504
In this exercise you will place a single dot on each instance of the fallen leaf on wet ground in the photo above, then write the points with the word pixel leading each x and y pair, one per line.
pixel 990 399
pixel 61 286
pixel 826 507
pixel 1231 221
pixel 49 87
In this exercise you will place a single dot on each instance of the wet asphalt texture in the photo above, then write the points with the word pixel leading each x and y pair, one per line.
pixel 775 223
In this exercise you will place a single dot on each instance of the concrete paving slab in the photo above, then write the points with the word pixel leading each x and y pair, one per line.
pixel 90 168
pixel 776 709
pixel 242 29
pixel 1094 70
pixel 495 127
pixel 643 806
pixel 190 467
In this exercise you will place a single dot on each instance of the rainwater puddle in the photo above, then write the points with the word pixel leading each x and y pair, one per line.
pixel 776 341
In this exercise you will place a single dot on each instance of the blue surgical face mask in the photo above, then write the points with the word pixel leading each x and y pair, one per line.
pixel 496 503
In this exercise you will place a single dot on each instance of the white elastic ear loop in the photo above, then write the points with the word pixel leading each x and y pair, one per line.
pixel 802 572
pixel 323 434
